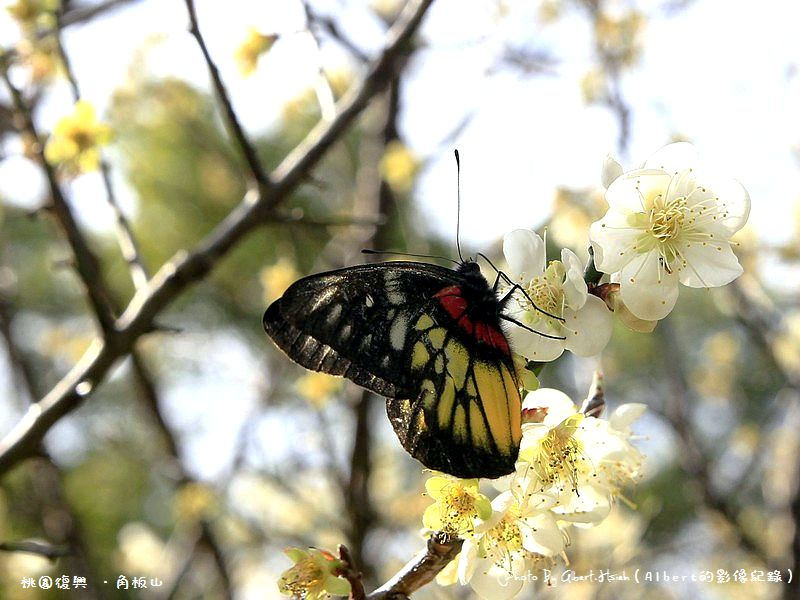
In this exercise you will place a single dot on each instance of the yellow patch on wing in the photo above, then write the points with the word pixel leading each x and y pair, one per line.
pixel 457 362
pixel 445 408
pixel 460 424
pixel 436 336
pixel 477 426
pixel 423 323
pixel 514 403
pixel 419 356
pixel 471 391
pixel 495 400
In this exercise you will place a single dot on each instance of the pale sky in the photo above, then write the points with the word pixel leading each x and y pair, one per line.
pixel 719 72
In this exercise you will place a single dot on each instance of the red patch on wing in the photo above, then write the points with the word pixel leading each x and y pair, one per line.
pixel 466 324
pixel 452 301
pixel 455 305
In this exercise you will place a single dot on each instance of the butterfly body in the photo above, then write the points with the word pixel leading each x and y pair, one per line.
pixel 427 338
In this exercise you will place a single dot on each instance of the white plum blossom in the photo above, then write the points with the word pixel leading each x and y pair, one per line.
pixel 576 320
pixel 669 222
pixel 583 461
pixel 570 469
pixel 516 539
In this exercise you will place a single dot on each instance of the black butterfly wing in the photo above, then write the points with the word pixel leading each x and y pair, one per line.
pixel 453 402
pixel 353 321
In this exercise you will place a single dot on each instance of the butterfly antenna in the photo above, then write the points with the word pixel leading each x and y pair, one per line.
pixel 458 215
pixel 368 251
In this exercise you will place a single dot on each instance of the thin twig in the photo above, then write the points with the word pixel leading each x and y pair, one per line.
pixel 322 87
pixel 330 26
pixel 125 238
pixel 82 14
pixel 59 520
pixel 86 263
pixel 246 147
pixel 186 268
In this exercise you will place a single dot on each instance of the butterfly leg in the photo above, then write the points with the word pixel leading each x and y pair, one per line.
pixel 514 288
pixel 515 322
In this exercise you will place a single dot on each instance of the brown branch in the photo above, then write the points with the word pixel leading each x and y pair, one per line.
pixel 232 120
pixel 188 267
pixel 330 26
pixel 58 519
pixel 96 288
pixel 420 570
pixel 82 14
pixel 44 549
pixel 86 263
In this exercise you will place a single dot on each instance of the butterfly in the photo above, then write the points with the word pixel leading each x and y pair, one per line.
pixel 427 338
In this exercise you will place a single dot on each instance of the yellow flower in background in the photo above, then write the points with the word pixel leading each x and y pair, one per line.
pixel 399 167
pixel 312 575
pixel 317 388
pixel 41 56
pixel 253 47
pixel 277 277
pixel 458 503
pixel 30 13
pixel 76 140
pixel 195 501
pixel 621 35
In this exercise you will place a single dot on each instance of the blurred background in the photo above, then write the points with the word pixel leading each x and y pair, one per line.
pixel 200 458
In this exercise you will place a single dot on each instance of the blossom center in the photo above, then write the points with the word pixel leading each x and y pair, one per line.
pixel 667 221
pixel 504 538
pixel 303 577
pixel 560 454
pixel 459 509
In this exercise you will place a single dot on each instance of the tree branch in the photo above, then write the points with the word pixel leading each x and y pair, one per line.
pixel 232 120
pixel 186 268
pixel 86 263
pixel 420 570
pixel 46 550
pixel 125 239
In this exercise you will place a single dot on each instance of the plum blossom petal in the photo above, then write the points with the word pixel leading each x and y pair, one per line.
pixel 711 265
pixel 611 170
pixel 549 296
pixel 559 406
pixel 614 240
pixel 525 253
pixel 678 156
pixel 540 534
pixel 575 288
pixel 535 346
pixel 493 582
pixel 625 414
pixel 647 290
pixel 589 330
